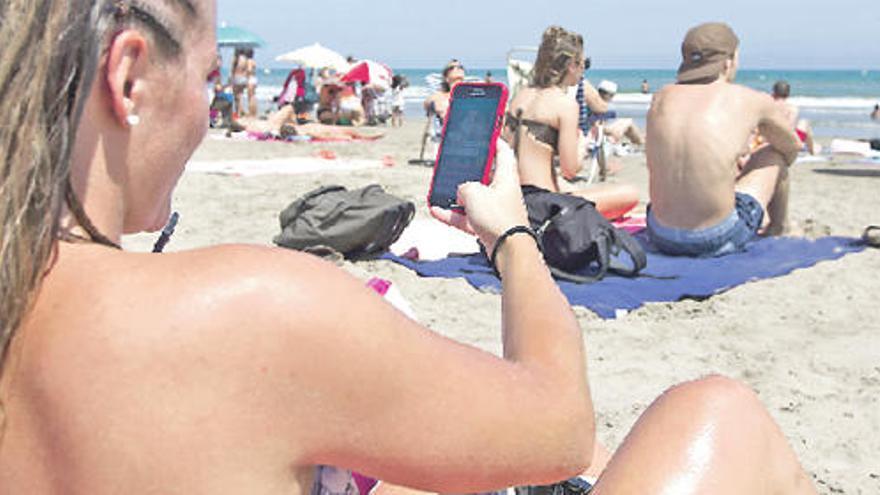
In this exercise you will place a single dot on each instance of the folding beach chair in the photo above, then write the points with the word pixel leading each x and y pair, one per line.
pixel 597 156
pixel 520 62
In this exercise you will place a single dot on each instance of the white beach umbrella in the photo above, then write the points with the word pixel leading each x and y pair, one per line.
pixel 315 57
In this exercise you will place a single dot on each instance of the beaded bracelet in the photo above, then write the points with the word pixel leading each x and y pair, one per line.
pixel 518 229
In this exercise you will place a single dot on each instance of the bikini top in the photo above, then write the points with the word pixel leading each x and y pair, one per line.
pixel 541 132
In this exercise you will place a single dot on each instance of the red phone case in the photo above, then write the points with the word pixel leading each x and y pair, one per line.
pixel 499 121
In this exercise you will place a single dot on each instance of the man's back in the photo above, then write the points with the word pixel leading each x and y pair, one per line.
pixel 696 134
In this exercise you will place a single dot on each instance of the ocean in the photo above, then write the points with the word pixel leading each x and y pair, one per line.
pixel 838 103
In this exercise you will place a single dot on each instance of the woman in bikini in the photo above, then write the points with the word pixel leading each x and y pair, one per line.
pixel 234 369
pixel 239 80
pixel 542 123
pixel 252 81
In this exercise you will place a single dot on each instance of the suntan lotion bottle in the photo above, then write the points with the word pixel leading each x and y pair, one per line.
pixel 389 291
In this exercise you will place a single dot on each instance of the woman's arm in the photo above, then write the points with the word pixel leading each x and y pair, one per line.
pixel 345 379
pixel 570 161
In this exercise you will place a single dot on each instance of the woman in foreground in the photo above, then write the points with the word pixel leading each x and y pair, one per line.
pixel 231 369
pixel 542 123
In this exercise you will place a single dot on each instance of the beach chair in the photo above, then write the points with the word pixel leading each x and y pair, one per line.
pixel 597 156
pixel 520 61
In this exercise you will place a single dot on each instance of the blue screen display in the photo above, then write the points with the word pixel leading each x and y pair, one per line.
pixel 466 144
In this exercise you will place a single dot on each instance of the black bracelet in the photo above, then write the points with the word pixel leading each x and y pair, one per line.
pixel 519 229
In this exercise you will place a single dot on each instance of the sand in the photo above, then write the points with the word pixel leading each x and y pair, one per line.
pixel 806 343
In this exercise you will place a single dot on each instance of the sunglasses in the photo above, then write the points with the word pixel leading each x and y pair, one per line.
pixel 587 63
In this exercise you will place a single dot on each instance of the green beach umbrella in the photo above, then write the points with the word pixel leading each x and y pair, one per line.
pixel 237 37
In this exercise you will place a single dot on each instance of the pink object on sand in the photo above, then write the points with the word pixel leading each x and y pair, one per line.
pixel 632 225
pixel 364 484
pixel 380 285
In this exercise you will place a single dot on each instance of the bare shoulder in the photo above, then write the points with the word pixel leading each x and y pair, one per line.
pixel 562 103
pixel 232 280
pixel 661 94
pixel 748 95
pixel 211 308
pixel 176 338
pixel 207 292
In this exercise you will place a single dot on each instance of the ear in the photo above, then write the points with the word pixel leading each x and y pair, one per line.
pixel 127 59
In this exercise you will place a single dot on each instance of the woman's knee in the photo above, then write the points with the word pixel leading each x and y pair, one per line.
pixel 715 395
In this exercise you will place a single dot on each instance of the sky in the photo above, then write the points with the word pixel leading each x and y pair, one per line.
pixel 619 34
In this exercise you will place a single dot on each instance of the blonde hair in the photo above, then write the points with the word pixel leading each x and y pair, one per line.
pixel 51 53
pixel 559 49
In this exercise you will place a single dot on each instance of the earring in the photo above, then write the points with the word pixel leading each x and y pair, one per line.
pixel 133 120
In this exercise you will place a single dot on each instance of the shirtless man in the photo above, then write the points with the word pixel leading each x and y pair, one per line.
pixel 802 127
pixel 702 203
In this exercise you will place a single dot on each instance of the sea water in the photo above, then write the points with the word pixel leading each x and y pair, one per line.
pixel 838 103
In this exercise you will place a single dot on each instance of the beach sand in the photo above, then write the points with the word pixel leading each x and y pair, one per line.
pixel 806 342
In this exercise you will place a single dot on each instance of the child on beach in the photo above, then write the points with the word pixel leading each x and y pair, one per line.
pixel 235 369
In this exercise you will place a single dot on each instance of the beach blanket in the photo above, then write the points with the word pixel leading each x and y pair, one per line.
pixel 432 240
pixel 284 166
pixel 668 279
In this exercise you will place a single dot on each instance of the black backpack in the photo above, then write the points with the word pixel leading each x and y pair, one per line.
pixel 358 224
pixel 576 237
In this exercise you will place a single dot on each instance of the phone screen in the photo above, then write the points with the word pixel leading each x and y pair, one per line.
pixel 471 127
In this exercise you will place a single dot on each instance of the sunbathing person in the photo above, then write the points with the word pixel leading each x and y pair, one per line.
pixel 232 369
pixel 543 119
pixel 438 103
pixel 283 124
pixel 617 129
pixel 702 203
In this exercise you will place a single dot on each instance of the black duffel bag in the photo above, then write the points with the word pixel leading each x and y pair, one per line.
pixel 579 244
pixel 359 223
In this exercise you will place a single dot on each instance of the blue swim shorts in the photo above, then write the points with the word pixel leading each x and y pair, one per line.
pixel 729 236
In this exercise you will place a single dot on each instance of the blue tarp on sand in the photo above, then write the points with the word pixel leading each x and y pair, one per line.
pixel 669 278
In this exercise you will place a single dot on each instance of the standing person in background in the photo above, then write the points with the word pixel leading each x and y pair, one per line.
pixel 398 102
pixel 645 88
pixel 489 79
pixel 238 79
pixel 876 113
pixel 251 69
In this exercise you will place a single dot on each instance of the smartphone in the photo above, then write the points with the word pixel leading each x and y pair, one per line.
pixel 467 150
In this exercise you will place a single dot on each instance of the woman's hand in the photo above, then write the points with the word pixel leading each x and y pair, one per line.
pixel 490 210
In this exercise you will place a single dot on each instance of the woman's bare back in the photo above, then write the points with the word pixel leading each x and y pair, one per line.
pixel 146 379
pixel 543 106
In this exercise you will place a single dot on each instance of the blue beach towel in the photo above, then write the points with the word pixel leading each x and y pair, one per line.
pixel 669 278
